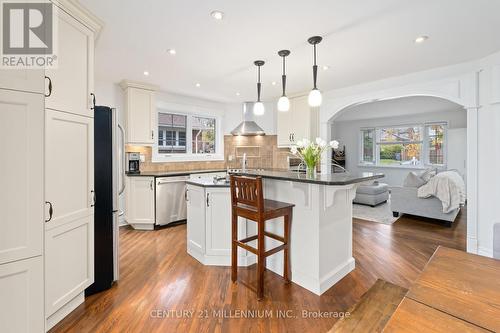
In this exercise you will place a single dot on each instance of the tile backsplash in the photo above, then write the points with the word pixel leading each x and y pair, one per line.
pixel 262 152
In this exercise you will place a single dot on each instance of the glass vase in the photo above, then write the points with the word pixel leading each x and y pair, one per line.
pixel 311 171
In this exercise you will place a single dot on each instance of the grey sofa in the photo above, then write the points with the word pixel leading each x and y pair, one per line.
pixel 404 200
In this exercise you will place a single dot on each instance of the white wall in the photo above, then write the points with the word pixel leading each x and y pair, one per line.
pixel 347 133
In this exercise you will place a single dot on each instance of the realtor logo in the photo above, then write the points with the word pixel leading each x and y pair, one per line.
pixel 27 34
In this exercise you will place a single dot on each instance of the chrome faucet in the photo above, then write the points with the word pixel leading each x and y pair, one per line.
pixel 244 163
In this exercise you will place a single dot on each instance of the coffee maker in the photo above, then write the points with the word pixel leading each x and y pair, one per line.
pixel 132 164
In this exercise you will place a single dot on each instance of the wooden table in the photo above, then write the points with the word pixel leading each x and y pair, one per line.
pixel 456 291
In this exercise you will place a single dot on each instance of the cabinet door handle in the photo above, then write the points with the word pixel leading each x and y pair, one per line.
pixel 50 87
pixel 152 134
pixel 186 195
pixel 93 101
pixel 93 198
pixel 208 199
pixel 151 185
pixel 51 211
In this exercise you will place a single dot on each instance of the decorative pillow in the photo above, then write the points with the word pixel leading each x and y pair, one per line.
pixel 427 174
pixel 413 180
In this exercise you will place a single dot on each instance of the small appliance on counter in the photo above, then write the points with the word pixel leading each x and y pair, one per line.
pixel 132 163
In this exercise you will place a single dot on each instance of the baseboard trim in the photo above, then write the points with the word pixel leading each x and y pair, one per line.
pixel 144 227
pixel 336 274
pixel 65 310
pixel 484 251
pixel 210 260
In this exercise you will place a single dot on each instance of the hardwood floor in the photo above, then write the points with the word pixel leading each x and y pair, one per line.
pixel 160 283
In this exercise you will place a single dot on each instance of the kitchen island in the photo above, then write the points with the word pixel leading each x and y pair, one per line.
pixel 321 231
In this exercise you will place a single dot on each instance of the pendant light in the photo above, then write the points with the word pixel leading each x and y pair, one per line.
pixel 315 98
pixel 283 102
pixel 258 107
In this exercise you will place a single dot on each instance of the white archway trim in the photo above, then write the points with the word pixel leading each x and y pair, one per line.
pixel 462 89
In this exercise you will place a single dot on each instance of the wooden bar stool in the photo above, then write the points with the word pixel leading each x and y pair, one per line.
pixel 247 201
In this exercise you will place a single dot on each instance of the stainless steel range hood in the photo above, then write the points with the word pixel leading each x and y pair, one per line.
pixel 248 127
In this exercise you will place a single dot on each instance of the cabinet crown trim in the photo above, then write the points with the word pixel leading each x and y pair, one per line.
pixel 140 85
pixel 82 14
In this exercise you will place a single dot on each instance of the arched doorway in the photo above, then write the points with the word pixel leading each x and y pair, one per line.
pixel 461 90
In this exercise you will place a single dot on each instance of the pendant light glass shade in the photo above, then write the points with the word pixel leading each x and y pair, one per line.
pixel 259 109
pixel 283 101
pixel 283 104
pixel 315 98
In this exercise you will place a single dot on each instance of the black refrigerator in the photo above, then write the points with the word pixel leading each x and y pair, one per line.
pixel 108 185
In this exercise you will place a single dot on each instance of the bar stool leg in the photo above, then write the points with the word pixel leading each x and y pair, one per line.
pixel 286 255
pixel 260 260
pixel 234 247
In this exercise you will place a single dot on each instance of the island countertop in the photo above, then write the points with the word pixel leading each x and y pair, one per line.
pixel 344 178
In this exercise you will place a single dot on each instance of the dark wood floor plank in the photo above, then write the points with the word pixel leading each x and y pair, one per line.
pixel 157 274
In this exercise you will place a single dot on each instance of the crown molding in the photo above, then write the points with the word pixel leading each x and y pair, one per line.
pixel 140 85
pixel 82 14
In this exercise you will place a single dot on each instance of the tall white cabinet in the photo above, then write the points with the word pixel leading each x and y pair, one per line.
pixel 69 164
pixel 21 202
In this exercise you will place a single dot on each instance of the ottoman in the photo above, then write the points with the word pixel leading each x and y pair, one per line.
pixel 372 194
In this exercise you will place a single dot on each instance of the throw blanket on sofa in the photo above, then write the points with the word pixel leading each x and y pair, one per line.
pixel 447 186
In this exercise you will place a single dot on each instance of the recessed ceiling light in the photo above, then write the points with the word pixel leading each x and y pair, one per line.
pixel 198 85
pixel 171 51
pixel 273 83
pixel 237 94
pixel 217 15
pixel 421 39
pixel 325 68
pixel 146 73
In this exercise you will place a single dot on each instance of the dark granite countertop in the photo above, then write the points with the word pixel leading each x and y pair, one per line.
pixel 344 178
pixel 157 174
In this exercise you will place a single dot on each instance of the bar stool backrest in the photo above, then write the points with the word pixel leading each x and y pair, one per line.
pixel 247 191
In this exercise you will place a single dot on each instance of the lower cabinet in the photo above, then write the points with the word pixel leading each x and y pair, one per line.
pixel 140 202
pixel 21 296
pixel 69 262
pixel 209 227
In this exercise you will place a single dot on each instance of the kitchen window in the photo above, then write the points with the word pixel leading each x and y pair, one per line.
pixel 403 146
pixel 187 137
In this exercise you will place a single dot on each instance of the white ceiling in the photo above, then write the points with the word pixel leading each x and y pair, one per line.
pixel 363 41
pixel 398 107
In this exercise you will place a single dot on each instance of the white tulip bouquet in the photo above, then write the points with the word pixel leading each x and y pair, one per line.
pixel 310 152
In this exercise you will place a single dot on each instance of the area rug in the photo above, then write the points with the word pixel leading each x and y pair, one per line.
pixel 380 214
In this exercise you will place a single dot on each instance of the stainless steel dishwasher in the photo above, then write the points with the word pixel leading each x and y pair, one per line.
pixel 171 199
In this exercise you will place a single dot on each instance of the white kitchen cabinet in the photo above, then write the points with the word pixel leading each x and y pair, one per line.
pixel 69 188
pixel 29 80
pixel 300 122
pixel 21 196
pixel 140 109
pixel 209 227
pixel 140 202
pixel 209 175
pixel 218 218
pixel 21 301
pixel 73 78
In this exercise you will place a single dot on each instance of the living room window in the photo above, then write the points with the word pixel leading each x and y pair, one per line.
pixel 187 137
pixel 403 146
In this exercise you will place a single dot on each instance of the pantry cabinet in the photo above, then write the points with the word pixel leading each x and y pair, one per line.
pixel 140 110
pixel 72 81
pixel 21 301
pixel 140 202
pixel 22 196
pixel 300 122
pixel 29 80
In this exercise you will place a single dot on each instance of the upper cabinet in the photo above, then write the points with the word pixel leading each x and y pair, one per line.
pixel 300 122
pixel 28 80
pixel 70 85
pixel 140 106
